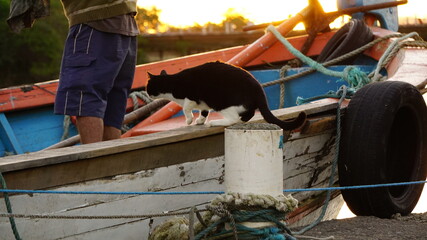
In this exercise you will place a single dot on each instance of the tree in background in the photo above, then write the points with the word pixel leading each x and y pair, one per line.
pixel 148 20
pixel 35 54
pixel 235 20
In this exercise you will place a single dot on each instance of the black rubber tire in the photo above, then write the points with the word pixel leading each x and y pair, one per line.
pixel 384 140
pixel 351 36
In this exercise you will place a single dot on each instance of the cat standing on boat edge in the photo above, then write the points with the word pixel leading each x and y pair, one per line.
pixel 225 88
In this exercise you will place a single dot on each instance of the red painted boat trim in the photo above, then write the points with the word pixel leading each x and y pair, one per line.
pixel 172 108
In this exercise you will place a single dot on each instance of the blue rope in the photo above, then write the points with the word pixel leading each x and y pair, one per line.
pixel 356 187
pixel 205 192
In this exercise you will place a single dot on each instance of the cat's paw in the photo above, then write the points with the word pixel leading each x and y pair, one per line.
pixel 219 122
pixel 200 120
pixel 189 121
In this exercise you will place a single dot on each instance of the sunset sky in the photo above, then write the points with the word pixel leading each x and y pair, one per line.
pixel 188 12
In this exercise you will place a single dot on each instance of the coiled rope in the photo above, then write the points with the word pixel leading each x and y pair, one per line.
pixel 240 231
pixel 142 95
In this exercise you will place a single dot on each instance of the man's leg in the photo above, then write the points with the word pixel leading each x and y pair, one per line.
pixel 118 94
pixel 91 129
pixel 111 133
pixel 85 80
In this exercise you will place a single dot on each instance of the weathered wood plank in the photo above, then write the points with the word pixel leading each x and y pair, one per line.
pixel 30 229
pixel 159 179
pixel 116 164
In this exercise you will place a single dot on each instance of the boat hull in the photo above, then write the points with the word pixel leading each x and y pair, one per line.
pixel 307 160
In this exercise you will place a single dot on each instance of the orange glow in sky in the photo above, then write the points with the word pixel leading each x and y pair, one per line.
pixel 186 13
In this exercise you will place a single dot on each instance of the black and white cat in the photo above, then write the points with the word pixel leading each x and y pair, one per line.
pixel 218 86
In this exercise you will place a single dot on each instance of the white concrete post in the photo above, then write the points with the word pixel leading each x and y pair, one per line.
pixel 254 159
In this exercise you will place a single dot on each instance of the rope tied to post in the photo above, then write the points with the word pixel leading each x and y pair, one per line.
pixel 235 218
pixel 226 215
pixel 235 209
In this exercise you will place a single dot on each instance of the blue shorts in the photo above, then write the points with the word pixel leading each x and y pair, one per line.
pixel 96 75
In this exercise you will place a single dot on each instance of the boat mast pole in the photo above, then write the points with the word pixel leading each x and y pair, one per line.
pixel 265 42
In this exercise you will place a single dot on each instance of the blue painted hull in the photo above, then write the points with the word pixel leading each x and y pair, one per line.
pixel 31 130
pixel 312 85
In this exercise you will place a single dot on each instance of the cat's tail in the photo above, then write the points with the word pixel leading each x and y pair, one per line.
pixel 285 125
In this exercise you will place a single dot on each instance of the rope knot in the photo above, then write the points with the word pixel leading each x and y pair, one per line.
pixel 271 233
pixel 355 77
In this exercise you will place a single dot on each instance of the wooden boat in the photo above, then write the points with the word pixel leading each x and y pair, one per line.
pixel 169 157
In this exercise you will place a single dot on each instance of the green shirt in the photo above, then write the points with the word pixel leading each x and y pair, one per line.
pixel 122 24
pixel 83 11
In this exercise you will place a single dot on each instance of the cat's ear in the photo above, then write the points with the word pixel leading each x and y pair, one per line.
pixel 150 75
pixel 163 72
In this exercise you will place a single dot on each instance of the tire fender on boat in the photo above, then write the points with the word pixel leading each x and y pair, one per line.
pixel 349 37
pixel 384 140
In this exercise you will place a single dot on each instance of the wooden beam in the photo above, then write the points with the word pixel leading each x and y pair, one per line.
pixel 115 164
